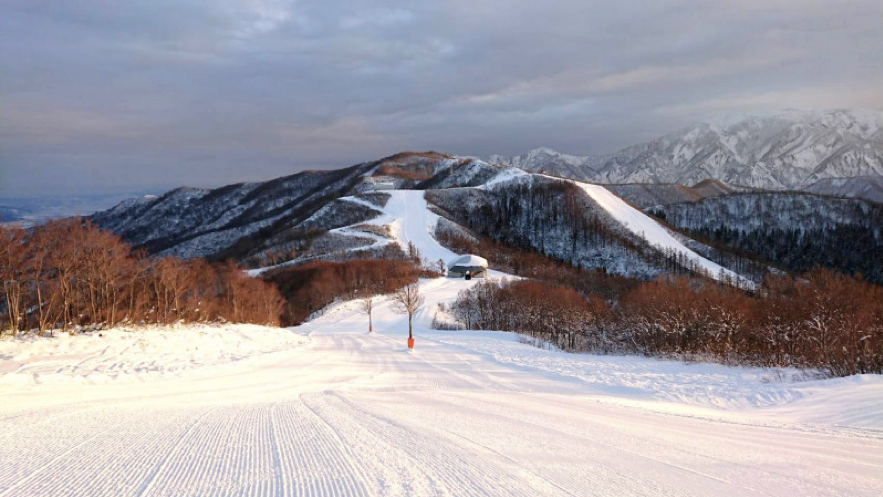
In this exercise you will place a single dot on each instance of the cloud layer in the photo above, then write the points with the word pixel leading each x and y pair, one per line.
pixel 100 95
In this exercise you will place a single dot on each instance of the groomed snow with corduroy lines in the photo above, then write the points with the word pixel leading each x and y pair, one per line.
pixel 328 409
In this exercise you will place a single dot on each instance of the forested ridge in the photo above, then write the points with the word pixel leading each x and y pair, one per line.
pixel 558 220
pixel 791 230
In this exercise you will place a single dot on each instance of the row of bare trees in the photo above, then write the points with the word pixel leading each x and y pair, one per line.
pixel 67 274
pixel 824 320
pixel 553 313
pixel 311 287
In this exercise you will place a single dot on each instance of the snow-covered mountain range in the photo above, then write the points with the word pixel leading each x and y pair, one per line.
pixel 331 214
pixel 344 214
pixel 786 150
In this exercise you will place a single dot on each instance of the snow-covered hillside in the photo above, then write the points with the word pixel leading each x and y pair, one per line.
pixel 786 150
pixel 649 229
pixel 586 225
pixel 407 218
pixel 466 413
pixel 337 215
pixel 797 231
pixel 193 222
pixel 780 211
pixel 246 220
pixel 353 213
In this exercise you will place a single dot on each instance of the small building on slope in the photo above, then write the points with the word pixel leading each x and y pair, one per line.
pixel 468 266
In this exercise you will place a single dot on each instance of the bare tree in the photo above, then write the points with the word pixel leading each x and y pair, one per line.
pixel 440 266
pixel 407 300
pixel 39 278
pixel 368 306
pixel 12 261
pixel 413 252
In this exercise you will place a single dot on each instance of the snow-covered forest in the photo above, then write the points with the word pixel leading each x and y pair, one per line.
pixel 794 231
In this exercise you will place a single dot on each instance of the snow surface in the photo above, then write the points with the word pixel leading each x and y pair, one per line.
pixel 135 354
pixel 338 411
pixel 413 222
pixel 409 220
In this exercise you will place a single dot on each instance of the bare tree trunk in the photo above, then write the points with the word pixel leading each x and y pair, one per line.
pixel 13 304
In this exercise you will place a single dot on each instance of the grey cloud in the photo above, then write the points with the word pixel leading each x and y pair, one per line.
pixel 100 94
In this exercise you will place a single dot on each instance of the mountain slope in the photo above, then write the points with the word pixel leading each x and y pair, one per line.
pixel 468 413
pixel 242 220
pixel 192 222
pixel 639 223
pixel 338 215
pixel 328 409
pixel 358 212
pixel 585 225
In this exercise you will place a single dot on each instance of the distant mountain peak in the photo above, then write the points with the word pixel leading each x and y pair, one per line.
pixel 549 161
pixel 788 149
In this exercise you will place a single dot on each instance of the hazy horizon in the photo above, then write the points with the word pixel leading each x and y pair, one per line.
pixel 101 98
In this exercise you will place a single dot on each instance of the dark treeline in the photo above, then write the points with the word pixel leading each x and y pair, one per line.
pixel 313 286
pixel 66 274
pixel 793 231
pixel 847 249
pixel 825 320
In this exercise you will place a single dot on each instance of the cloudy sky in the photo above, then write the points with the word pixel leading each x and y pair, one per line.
pixel 108 95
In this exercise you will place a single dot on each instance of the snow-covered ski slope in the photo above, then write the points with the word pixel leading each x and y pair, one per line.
pixel 641 224
pixel 409 220
pixel 465 414
pixel 129 354
pixel 638 223
pixel 412 222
